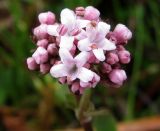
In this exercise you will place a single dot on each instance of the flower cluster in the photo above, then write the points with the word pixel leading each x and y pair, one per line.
pixel 80 51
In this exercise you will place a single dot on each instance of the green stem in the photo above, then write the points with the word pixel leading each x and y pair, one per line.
pixel 81 112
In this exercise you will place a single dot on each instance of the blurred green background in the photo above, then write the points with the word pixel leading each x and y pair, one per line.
pixel 38 98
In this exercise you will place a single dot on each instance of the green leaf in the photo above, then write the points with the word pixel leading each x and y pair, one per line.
pixel 104 122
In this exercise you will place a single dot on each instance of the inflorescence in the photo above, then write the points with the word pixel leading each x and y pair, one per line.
pixel 80 51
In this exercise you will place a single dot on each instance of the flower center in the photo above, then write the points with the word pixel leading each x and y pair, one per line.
pixel 73 69
pixel 94 46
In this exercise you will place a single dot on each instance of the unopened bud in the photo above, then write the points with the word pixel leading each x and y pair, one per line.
pixel 47 18
pixel 124 56
pixel 52 49
pixel 112 58
pixel 45 68
pixel 40 55
pixel 117 76
pixel 91 13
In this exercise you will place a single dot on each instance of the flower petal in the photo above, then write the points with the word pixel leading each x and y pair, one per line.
pixel 82 23
pixel 81 35
pixel 66 42
pixel 84 45
pixel 85 75
pixel 66 57
pixel 85 84
pixel 68 17
pixel 103 28
pixel 91 32
pixel 58 70
pixel 81 58
pixel 99 54
pixel 52 30
pixel 107 45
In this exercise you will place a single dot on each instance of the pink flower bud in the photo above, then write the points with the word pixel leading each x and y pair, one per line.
pixel 52 61
pixel 80 11
pixel 87 65
pixel 120 47
pixel 40 55
pixel 75 32
pixel 31 63
pixel 62 29
pixel 47 18
pixel 91 83
pixel 45 68
pixel 41 31
pixel 112 58
pixel 43 43
pixel 92 58
pixel 106 68
pixel 124 56
pixel 122 33
pixel 77 88
pixel 52 49
pixel 73 50
pixel 62 80
pixel 91 13
pixel 117 76
pixel 95 80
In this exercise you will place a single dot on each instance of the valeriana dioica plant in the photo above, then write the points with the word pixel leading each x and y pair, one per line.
pixel 80 50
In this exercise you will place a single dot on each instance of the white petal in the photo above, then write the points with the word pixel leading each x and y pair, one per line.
pixel 107 45
pixel 85 75
pixel 82 23
pixel 81 35
pixel 91 32
pixel 66 57
pixel 103 28
pixel 66 42
pixel 84 45
pixel 99 54
pixel 81 58
pixel 58 71
pixel 85 84
pixel 68 17
pixel 52 30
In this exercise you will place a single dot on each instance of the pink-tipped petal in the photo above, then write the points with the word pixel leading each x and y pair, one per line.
pixel 99 54
pixel 85 84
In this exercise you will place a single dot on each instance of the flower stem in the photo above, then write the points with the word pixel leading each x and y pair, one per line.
pixel 81 112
